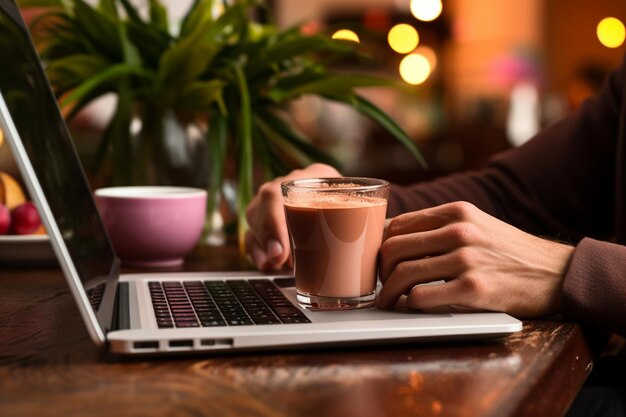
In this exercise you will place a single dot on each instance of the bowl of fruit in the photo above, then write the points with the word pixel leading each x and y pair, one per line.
pixel 23 239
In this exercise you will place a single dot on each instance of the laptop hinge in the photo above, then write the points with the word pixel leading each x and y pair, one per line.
pixel 121 310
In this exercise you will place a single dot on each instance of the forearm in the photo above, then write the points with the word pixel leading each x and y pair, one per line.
pixel 495 190
pixel 594 288
pixel 474 187
pixel 560 184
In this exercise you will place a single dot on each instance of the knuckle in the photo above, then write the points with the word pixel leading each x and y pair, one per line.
pixel 389 247
pixel 397 224
pixel 268 191
pixel 296 172
pixel 414 299
pixel 473 286
pixel 464 233
pixel 322 169
pixel 392 228
pixel 463 210
pixel 465 257
pixel 401 270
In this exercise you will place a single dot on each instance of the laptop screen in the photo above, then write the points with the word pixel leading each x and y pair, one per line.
pixel 49 147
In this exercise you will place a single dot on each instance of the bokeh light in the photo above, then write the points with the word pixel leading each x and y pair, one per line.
pixel 403 38
pixel 346 35
pixel 611 32
pixel 429 54
pixel 426 10
pixel 414 69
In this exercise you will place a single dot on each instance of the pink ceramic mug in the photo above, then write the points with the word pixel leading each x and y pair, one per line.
pixel 152 226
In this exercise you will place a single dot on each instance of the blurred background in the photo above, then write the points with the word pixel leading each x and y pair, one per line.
pixel 482 76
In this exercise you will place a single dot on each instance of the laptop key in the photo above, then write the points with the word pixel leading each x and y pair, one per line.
pixel 240 322
pixel 293 320
pixel 213 323
pixel 187 324
pixel 266 321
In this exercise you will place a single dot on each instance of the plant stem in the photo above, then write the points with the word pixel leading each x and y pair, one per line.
pixel 244 192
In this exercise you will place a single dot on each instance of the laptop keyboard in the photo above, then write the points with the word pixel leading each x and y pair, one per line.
pixel 221 303
pixel 95 295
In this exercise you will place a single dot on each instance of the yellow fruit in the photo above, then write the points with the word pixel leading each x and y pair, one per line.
pixel 11 193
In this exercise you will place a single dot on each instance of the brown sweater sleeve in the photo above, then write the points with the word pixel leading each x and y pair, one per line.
pixel 594 290
pixel 561 184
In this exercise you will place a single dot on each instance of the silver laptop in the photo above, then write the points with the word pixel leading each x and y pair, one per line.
pixel 160 313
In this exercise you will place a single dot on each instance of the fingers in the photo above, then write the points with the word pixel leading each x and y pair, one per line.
pixel 457 292
pixel 431 218
pixel 485 263
pixel 408 274
pixel 448 238
pixel 255 252
pixel 268 239
pixel 259 255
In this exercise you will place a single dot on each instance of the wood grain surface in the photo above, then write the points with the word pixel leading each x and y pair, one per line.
pixel 49 367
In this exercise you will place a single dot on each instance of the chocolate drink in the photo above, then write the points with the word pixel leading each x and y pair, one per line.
pixel 336 245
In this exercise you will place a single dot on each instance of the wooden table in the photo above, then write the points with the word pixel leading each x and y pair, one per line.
pixel 49 367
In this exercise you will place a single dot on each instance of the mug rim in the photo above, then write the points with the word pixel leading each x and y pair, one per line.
pixel 150 191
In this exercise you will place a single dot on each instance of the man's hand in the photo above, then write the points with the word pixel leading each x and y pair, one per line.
pixel 486 264
pixel 267 240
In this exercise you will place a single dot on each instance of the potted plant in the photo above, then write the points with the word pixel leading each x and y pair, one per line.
pixel 218 70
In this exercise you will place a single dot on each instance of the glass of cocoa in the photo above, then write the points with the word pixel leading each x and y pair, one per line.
pixel 336 228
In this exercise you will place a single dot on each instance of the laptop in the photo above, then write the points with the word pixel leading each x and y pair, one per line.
pixel 171 313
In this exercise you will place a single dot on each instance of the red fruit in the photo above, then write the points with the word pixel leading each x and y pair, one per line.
pixel 25 219
pixel 5 219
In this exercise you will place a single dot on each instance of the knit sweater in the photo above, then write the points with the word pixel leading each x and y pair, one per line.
pixel 569 183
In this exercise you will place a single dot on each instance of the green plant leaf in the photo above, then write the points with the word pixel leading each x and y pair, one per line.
pixel 130 53
pixel 153 41
pixel 67 72
pixel 273 165
pixel 131 11
pixel 61 36
pixel 305 75
pixel 78 105
pixel 290 45
pixel 330 84
pixel 115 72
pixel 200 12
pixel 158 15
pixel 108 7
pixel 181 64
pixel 274 125
pixel 188 59
pixel 244 133
pixel 117 137
pixel 199 96
pixel 98 28
pixel 217 137
pixel 40 3
pixel 369 110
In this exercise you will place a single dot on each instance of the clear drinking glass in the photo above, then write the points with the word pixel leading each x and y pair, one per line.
pixel 336 229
